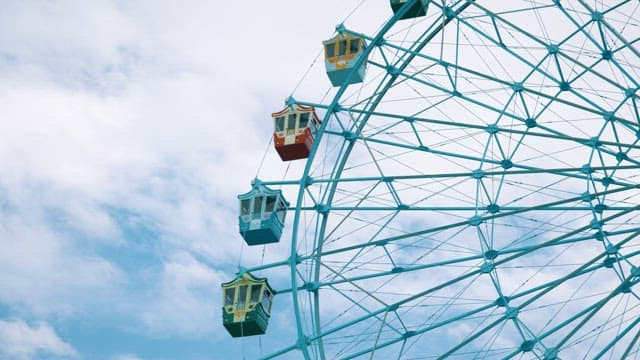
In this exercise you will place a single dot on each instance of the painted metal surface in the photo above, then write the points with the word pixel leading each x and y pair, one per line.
pixel 492 205
pixel 345 59
pixel 291 138
pixel 262 214
pixel 246 315
pixel 416 8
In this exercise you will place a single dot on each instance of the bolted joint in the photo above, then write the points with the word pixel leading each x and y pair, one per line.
pixel 493 129
pixel 308 181
pixel 530 123
pixel 502 301
pixel 487 267
pixel 477 174
pixel 312 286
pixel 491 254
pixel 408 334
pixel 380 41
pixel 475 221
pixel 322 209
pixel 511 313
pixel 517 87
pixel 393 71
pixel 527 345
pixel 350 136
pixel 295 259
pixel 403 207
pixel 493 208
pixel 597 16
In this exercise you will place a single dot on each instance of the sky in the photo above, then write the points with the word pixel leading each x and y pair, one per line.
pixel 128 128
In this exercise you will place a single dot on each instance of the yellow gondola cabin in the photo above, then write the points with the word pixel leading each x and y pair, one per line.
pixel 341 58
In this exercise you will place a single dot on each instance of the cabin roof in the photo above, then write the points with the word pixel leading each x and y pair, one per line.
pixel 259 188
pixel 342 36
pixel 297 108
pixel 248 277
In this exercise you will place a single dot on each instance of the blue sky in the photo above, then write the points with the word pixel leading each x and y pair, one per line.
pixel 128 129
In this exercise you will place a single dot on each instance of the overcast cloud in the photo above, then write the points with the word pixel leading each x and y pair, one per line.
pixel 128 129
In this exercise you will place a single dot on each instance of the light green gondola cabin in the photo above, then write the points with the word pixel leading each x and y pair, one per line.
pixel 246 305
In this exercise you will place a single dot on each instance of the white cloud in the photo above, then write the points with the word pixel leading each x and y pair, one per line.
pixel 19 340
pixel 183 302
pixel 43 273
pixel 134 107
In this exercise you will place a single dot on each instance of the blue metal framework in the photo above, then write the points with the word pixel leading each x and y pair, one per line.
pixel 478 195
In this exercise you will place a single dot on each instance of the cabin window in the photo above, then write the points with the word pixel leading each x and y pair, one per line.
pixel 255 294
pixel 242 297
pixel 354 46
pixel 228 296
pixel 266 301
pixel 342 48
pixel 291 122
pixel 304 119
pixel 245 206
pixel 281 211
pixel 270 205
pixel 257 205
pixel 330 50
pixel 280 123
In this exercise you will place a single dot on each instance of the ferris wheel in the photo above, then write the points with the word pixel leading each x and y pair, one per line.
pixel 470 189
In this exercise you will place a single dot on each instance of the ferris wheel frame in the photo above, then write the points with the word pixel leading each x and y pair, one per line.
pixel 312 346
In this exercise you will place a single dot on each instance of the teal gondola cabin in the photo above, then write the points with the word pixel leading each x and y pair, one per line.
pixel 246 305
pixel 417 8
pixel 342 55
pixel 262 213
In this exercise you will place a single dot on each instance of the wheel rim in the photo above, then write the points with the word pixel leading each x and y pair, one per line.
pixel 495 211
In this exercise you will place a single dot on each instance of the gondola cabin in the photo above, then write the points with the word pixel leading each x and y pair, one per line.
pixel 262 212
pixel 342 55
pixel 416 9
pixel 246 305
pixel 295 130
